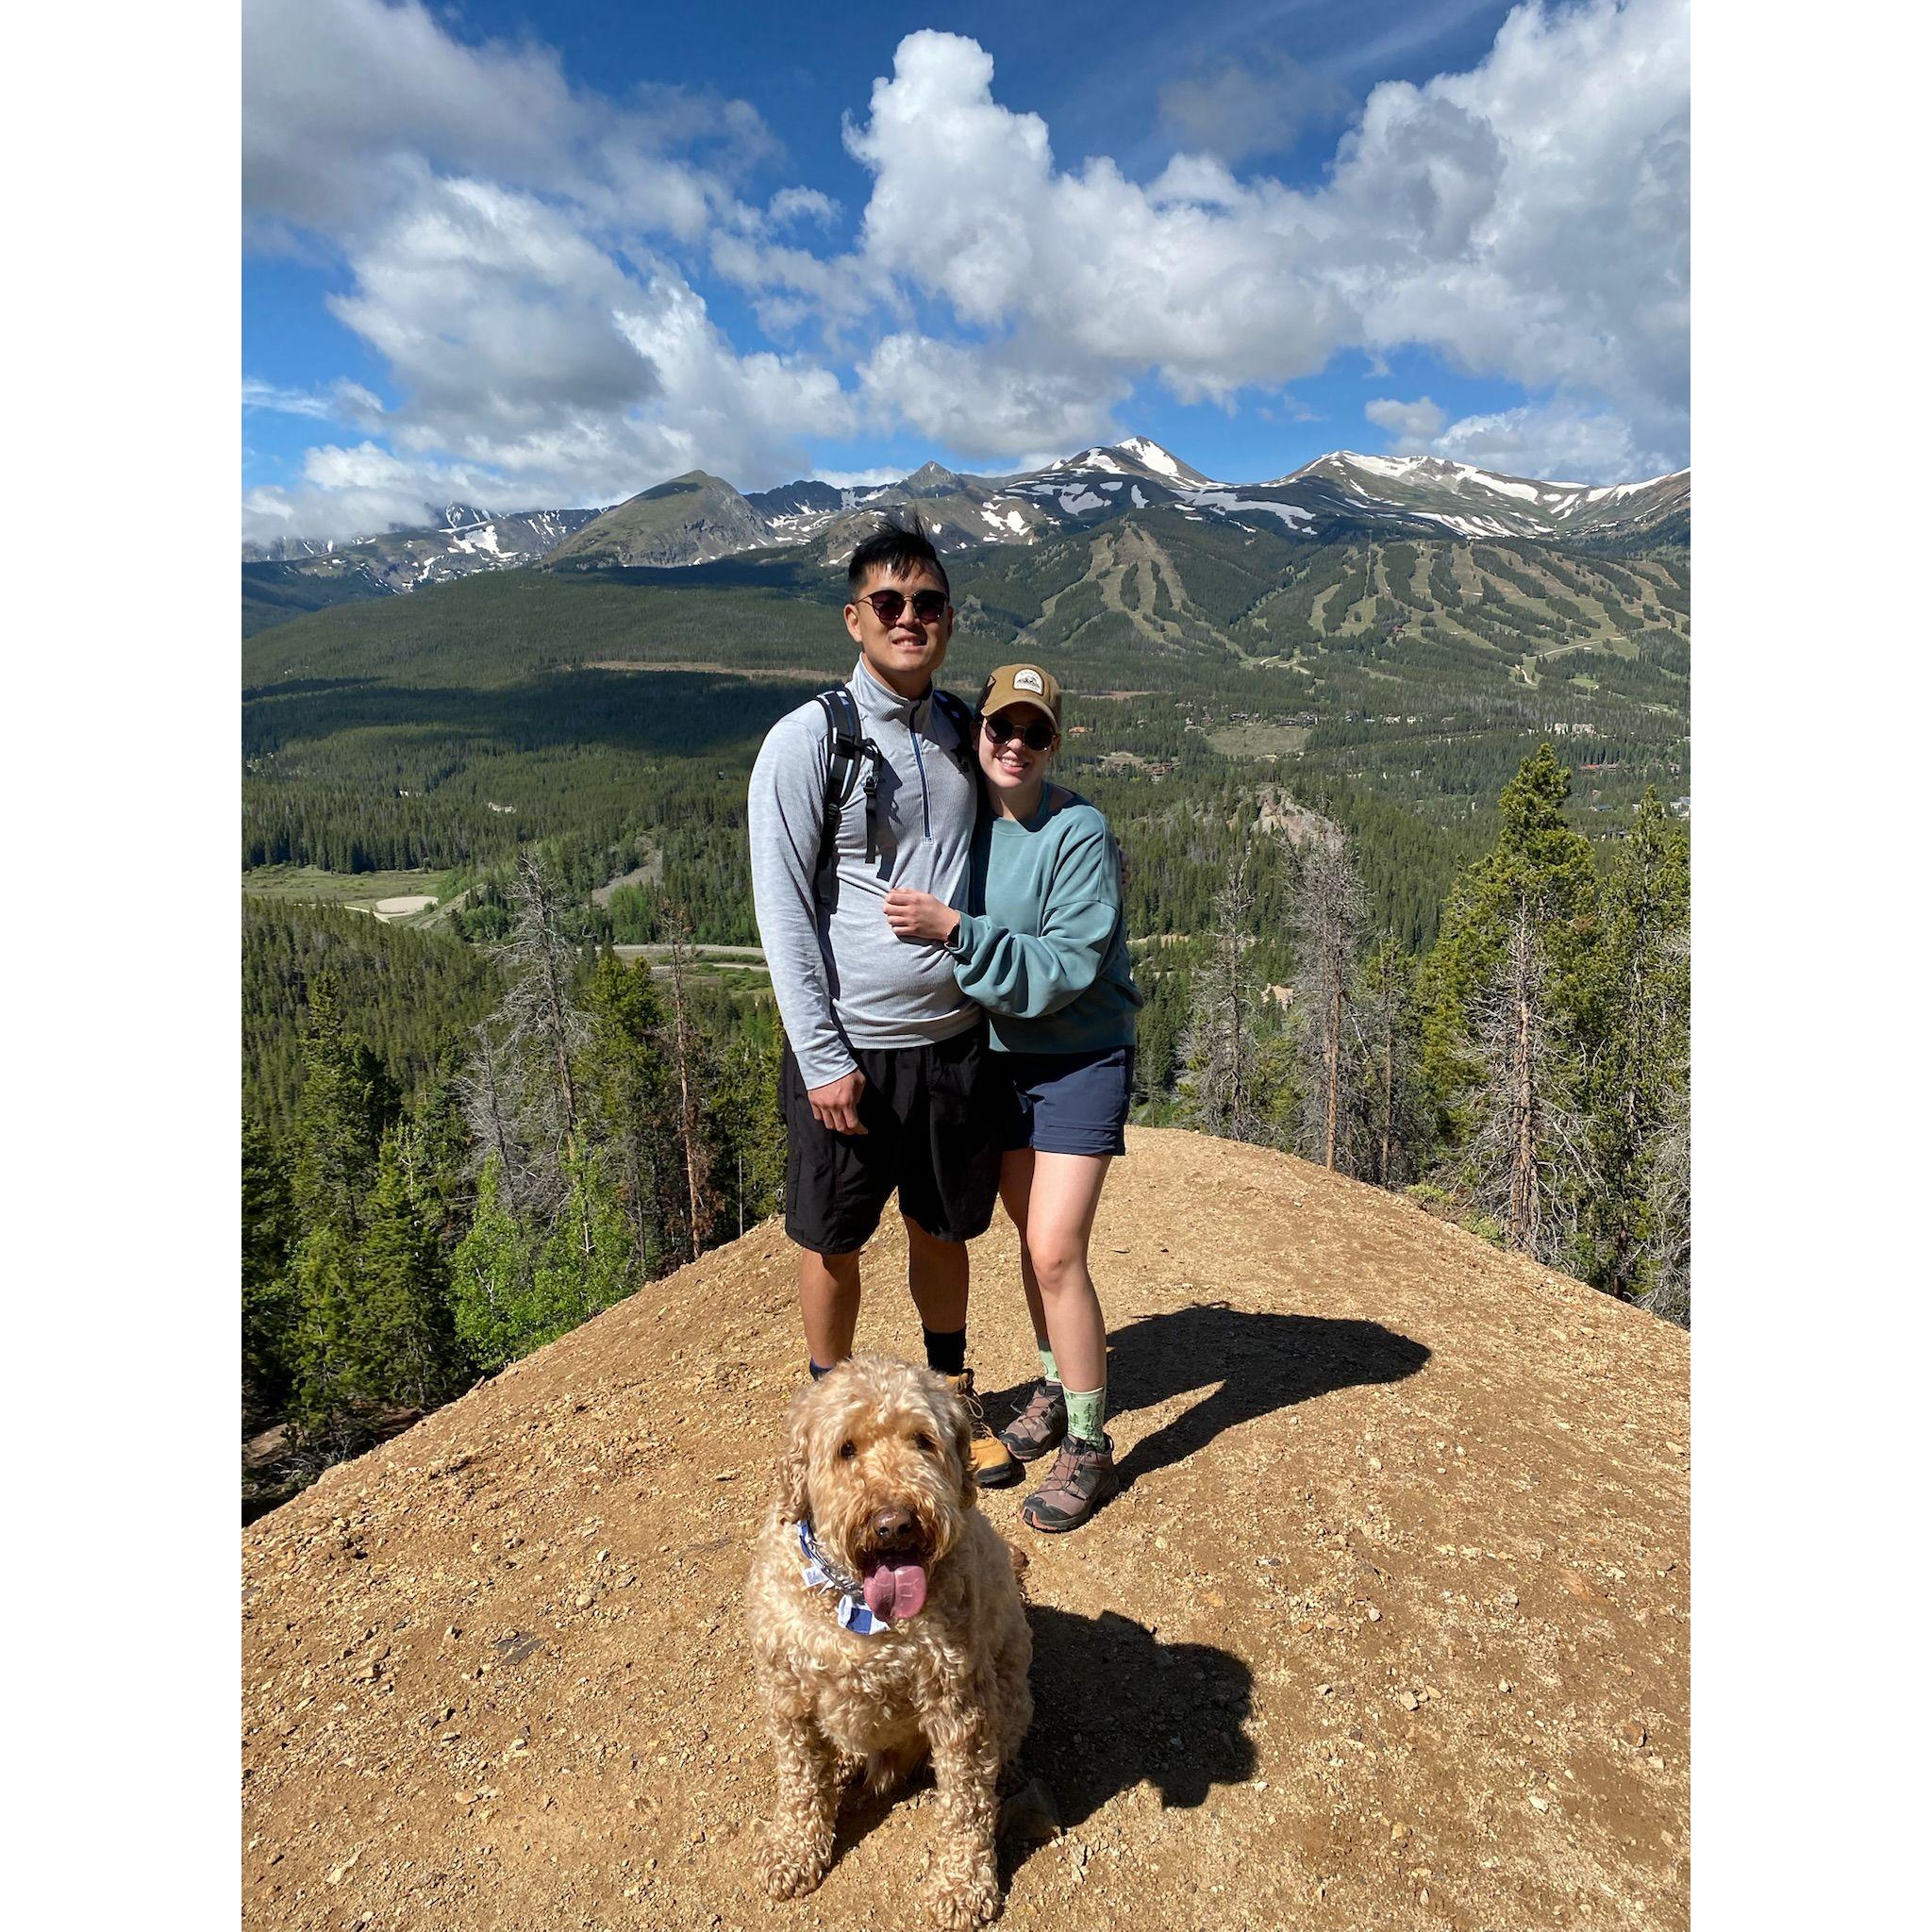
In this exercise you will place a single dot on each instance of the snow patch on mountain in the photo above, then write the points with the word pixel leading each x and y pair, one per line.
pixel 1292 514
pixel 1152 456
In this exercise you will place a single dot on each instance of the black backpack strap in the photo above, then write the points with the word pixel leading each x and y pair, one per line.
pixel 846 751
pixel 959 714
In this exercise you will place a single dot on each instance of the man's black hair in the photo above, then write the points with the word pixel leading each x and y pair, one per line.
pixel 897 549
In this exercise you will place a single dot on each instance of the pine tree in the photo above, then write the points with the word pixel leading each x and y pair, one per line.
pixel 1506 983
pixel 516 1286
pixel 489 1276
pixel 1639 995
pixel 328 1352
pixel 268 1304
pixel 627 1088
pixel 1539 862
pixel 348 1099
pixel 404 1347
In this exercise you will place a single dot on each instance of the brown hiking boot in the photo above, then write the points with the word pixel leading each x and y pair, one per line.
pixel 1082 1478
pixel 993 1466
pixel 1040 1426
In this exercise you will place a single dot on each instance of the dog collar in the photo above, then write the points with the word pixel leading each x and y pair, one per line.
pixel 821 1574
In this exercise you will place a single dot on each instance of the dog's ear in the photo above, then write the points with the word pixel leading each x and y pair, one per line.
pixel 793 1469
pixel 795 1496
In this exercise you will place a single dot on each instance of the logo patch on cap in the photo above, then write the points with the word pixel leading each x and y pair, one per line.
pixel 1030 679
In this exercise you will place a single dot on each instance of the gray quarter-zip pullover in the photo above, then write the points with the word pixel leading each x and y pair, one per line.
pixel 842 976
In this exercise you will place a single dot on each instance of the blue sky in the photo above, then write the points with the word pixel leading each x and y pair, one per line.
pixel 533 256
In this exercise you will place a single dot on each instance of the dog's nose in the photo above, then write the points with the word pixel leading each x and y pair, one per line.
pixel 894 1527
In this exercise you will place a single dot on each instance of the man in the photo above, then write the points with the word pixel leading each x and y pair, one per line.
pixel 885 1082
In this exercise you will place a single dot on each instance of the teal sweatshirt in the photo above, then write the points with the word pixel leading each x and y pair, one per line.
pixel 1047 955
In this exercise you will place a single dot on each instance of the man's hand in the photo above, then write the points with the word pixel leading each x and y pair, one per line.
pixel 834 1105
pixel 919 915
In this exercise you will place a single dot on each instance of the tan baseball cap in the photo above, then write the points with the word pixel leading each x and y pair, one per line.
pixel 1021 684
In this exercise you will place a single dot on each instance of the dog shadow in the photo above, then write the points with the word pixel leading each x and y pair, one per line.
pixel 1261 1360
pixel 1115 1706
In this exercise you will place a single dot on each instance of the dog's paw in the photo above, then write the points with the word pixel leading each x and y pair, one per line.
pixel 789 1868
pixel 964 1900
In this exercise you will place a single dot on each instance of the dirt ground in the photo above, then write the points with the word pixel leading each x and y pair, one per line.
pixel 1388 1627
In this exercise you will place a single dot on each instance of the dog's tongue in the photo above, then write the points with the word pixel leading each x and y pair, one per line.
pixel 894 1588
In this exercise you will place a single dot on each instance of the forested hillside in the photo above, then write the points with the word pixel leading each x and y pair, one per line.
pixel 1374 799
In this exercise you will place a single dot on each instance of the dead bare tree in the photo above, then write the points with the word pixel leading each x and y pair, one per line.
pixel 1526 1157
pixel 1217 1047
pixel 522 1088
pixel 1384 1023
pixel 1326 923
pixel 686 1054
pixel 490 1108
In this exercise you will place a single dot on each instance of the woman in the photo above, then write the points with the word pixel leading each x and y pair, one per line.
pixel 1046 954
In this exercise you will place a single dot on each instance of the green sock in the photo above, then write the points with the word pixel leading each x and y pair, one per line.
pixel 1048 1367
pixel 1086 1412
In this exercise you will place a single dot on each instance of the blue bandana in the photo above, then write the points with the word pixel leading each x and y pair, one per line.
pixel 818 1574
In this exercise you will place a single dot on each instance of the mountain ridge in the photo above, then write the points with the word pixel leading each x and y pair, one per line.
pixel 698 518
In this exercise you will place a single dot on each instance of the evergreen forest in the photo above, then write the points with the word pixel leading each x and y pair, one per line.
pixel 1406 880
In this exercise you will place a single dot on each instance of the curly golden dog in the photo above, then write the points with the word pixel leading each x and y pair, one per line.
pixel 886 1622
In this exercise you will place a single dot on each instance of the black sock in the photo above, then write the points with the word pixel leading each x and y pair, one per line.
pixel 816 1371
pixel 946 1355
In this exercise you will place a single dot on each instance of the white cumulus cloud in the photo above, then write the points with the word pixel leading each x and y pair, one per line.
pixel 518 254
pixel 1562 440
pixel 504 238
pixel 1409 424
pixel 1528 219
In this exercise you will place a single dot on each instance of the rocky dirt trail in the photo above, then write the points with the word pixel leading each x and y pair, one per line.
pixel 1388 1629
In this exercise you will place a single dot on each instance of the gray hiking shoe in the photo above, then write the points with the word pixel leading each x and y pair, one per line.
pixel 1081 1480
pixel 1040 1426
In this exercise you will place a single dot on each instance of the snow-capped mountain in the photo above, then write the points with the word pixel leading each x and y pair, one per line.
pixel 696 518
pixel 1469 502
pixel 460 539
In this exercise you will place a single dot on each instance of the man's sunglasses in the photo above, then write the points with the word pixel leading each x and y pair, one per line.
pixel 927 606
pixel 1038 736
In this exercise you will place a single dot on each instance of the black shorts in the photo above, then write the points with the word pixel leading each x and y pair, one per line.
pixel 1071 1103
pixel 933 1117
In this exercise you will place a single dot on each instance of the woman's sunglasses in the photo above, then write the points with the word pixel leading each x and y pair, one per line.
pixel 1038 736
pixel 927 606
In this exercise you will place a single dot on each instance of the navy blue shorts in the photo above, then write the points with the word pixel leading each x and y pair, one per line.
pixel 1069 1103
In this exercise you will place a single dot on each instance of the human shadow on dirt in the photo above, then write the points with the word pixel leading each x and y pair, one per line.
pixel 1114 1705
pixel 1263 1362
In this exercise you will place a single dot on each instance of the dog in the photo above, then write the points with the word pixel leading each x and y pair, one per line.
pixel 885 1619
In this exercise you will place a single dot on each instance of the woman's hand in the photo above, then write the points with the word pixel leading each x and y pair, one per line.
pixel 919 915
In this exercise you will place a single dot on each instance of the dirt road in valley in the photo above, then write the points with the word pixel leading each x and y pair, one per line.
pixel 1388 1629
